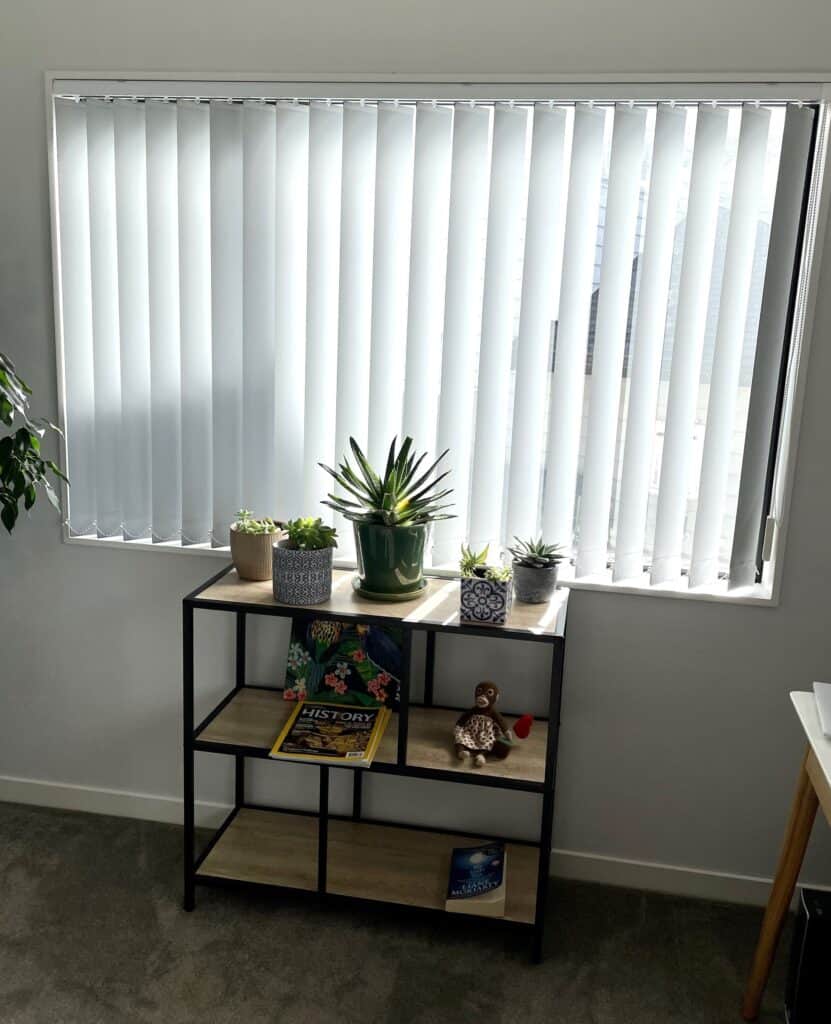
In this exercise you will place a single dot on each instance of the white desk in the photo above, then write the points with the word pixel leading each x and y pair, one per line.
pixel 813 790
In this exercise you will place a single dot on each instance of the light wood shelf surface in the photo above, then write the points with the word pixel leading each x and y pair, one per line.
pixel 254 718
pixel 268 847
pixel 437 605
pixel 374 862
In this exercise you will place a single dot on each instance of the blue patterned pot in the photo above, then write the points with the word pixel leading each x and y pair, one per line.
pixel 484 602
pixel 301 577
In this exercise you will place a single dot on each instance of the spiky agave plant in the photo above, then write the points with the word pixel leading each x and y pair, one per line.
pixel 535 554
pixel 404 496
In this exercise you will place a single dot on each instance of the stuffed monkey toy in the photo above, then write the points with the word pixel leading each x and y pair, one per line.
pixel 482 730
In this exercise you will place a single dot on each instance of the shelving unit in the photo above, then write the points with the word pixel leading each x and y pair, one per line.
pixel 354 857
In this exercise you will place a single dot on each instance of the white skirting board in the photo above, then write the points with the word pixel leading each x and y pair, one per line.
pixel 580 866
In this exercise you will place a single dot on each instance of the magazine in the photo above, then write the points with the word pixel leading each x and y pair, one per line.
pixel 344 663
pixel 328 733
pixel 477 880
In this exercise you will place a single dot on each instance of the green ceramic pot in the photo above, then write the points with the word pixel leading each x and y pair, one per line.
pixel 390 559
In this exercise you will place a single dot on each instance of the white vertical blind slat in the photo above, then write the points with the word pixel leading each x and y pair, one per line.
pixel 360 135
pixel 105 325
pixel 566 400
pixel 195 319
pixel 647 342
pixel 390 275
pixel 357 217
pixel 258 348
pixel 542 266
pixel 76 311
pixel 428 262
pixel 693 297
pixel 163 297
pixel 623 196
pixel 226 314
pixel 134 317
pixel 727 358
pixel 290 234
pixel 325 137
pixel 773 319
pixel 462 313
pixel 507 205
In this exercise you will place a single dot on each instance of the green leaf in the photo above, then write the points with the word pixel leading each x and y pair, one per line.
pixel 369 473
pixel 426 475
pixel 29 496
pixel 433 483
pixel 53 498
pixel 412 469
pixel 56 470
pixel 390 459
pixel 8 515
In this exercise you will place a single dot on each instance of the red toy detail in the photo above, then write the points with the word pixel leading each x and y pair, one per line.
pixel 522 726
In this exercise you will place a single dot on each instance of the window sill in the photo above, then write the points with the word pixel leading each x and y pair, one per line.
pixel 760 594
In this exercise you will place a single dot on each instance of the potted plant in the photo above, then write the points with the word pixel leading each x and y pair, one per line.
pixel 391 517
pixel 22 466
pixel 484 590
pixel 535 569
pixel 303 562
pixel 251 542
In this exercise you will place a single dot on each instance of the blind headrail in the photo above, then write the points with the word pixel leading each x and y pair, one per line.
pixel 413 89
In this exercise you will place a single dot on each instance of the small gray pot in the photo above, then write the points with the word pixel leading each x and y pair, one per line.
pixel 534 586
pixel 301 577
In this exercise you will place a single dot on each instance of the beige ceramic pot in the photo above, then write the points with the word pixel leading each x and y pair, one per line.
pixel 251 553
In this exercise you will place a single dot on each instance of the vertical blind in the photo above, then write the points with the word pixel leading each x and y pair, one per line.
pixel 587 303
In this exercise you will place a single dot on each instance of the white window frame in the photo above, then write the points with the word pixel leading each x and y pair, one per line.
pixel 645 88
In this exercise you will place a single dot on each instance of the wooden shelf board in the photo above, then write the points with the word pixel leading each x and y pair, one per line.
pixel 407 866
pixel 437 605
pixel 373 862
pixel 430 745
pixel 267 847
pixel 254 718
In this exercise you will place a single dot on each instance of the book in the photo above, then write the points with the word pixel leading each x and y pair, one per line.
pixel 327 733
pixel 477 880
pixel 344 663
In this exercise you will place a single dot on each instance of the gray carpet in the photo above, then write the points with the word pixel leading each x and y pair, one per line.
pixel 91 931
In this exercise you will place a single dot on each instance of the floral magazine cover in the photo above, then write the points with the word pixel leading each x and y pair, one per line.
pixel 344 663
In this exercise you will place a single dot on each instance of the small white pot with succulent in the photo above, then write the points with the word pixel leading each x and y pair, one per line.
pixel 485 590
pixel 535 570
pixel 251 542
pixel 303 562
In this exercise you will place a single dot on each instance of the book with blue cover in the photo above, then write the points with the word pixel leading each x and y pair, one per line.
pixel 477 880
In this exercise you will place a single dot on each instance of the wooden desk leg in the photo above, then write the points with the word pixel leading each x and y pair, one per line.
pixel 803 812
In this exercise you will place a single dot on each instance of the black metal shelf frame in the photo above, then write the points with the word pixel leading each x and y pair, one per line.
pixel 192 743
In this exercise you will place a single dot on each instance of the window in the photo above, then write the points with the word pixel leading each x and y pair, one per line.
pixel 588 303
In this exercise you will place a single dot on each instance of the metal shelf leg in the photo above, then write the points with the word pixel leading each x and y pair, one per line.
pixel 189 901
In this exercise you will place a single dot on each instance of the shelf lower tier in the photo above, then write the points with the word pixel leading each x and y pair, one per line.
pixel 252 720
pixel 384 863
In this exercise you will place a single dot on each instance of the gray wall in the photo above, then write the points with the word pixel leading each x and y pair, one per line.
pixel 678 743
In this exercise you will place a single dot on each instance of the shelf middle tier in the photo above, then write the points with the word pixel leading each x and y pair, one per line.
pixel 253 717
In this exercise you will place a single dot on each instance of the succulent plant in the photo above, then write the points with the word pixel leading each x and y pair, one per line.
pixel 402 497
pixel 472 560
pixel 310 534
pixel 535 554
pixel 475 563
pixel 247 522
